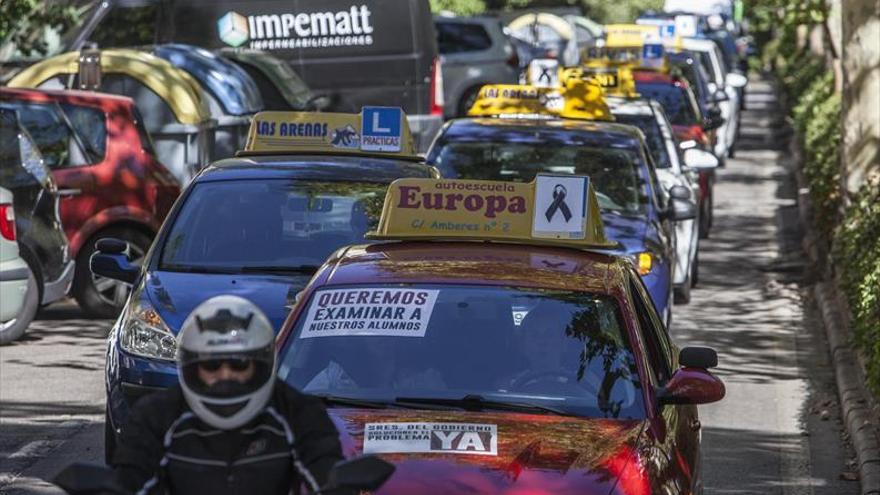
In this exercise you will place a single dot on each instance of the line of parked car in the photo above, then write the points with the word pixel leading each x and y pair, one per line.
pixel 105 139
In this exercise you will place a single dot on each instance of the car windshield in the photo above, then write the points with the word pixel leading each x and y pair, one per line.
pixel 400 346
pixel 615 173
pixel 270 225
pixel 677 101
pixel 649 125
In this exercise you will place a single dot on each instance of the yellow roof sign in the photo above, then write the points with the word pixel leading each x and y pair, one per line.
pixel 552 209
pixel 615 80
pixel 575 99
pixel 629 35
pixel 381 130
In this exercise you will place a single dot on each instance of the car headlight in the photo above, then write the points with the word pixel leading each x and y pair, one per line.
pixel 143 333
pixel 644 261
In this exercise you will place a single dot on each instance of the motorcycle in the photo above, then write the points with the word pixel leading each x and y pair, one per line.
pixel 352 475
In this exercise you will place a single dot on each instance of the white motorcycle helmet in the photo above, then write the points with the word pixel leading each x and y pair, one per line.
pixel 234 331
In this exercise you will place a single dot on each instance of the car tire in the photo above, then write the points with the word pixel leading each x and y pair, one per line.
pixel 13 329
pixel 109 438
pixel 96 301
pixel 695 270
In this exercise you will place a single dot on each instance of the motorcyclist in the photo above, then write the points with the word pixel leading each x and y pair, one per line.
pixel 229 427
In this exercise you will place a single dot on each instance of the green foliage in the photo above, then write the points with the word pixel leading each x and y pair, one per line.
pixel 621 11
pixel 460 7
pixel 857 252
pixel 23 22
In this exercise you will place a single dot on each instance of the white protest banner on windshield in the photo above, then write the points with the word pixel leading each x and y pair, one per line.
pixel 369 312
pixel 430 438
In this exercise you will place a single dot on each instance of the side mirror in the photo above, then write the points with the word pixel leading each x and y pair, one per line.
pixel 83 478
pixel 682 209
pixel 679 192
pixel 736 80
pixel 693 383
pixel 111 261
pixel 700 159
pixel 719 95
pixel 361 473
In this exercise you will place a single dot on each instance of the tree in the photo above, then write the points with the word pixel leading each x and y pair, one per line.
pixel 24 22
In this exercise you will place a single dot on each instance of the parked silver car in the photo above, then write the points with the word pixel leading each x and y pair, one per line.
pixel 473 51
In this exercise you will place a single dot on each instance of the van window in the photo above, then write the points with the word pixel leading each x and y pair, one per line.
pixel 9 153
pixel 91 124
pixel 459 37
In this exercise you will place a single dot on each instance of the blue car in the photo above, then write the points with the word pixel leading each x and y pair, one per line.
pixel 615 156
pixel 256 226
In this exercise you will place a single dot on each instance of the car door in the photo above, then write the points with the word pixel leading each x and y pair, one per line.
pixel 673 445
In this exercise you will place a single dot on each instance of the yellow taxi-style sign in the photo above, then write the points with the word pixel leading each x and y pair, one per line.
pixel 581 99
pixel 552 209
pixel 629 35
pixel 382 130
pixel 615 80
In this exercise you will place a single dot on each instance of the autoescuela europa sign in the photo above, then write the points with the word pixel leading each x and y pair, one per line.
pixel 369 311
pixel 430 438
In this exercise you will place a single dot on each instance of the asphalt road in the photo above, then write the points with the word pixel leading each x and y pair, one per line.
pixel 778 431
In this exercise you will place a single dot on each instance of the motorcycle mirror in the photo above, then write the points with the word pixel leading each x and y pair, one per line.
pixel 86 478
pixel 361 473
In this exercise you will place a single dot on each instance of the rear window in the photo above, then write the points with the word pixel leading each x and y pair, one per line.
pixel 9 151
pixel 615 172
pixel 455 37
pixel 269 224
pixel 53 136
pixel 677 102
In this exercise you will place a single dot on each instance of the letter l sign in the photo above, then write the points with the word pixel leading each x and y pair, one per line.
pixel 376 126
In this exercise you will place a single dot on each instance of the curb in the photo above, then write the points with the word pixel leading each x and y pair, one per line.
pixel 848 375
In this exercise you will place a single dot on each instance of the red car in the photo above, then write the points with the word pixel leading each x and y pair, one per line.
pixel 527 366
pixel 688 123
pixel 109 180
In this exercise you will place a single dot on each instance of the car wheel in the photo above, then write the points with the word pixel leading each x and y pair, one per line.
pixel 704 219
pixel 13 329
pixel 109 438
pixel 695 270
pixel 102 297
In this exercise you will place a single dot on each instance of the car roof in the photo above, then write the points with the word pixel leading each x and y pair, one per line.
pixel 542 130
pixel 315 167
pixel 474 263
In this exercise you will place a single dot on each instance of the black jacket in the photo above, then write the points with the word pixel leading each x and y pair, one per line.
pixel 164 448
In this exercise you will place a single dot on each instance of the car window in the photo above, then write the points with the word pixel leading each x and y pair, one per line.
pixel 269 223
pixel 455 37
pixel 47 125
pixel 651 128
pixel 91 124
pixel 570 350
pixel 677 101
pixel 10 157
pixel 615 172
pixel 653 332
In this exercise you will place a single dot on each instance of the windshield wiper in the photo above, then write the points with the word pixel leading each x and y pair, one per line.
pixel 304 269
pixel 473 402
pixel 353 402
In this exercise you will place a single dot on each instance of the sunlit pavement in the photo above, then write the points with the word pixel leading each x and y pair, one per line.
pixel 777 431
pixel 768 435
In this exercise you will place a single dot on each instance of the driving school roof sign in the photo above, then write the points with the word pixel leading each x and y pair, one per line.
pixel 553 209
pixel 374 130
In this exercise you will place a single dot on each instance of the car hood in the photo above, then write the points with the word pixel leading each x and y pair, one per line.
pixel 175 295
pixel 629 231
pixel 529 454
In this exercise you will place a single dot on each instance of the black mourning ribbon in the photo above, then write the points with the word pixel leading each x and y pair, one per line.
pixel 559 193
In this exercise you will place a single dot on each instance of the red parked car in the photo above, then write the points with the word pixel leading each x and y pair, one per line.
pixel 109 180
